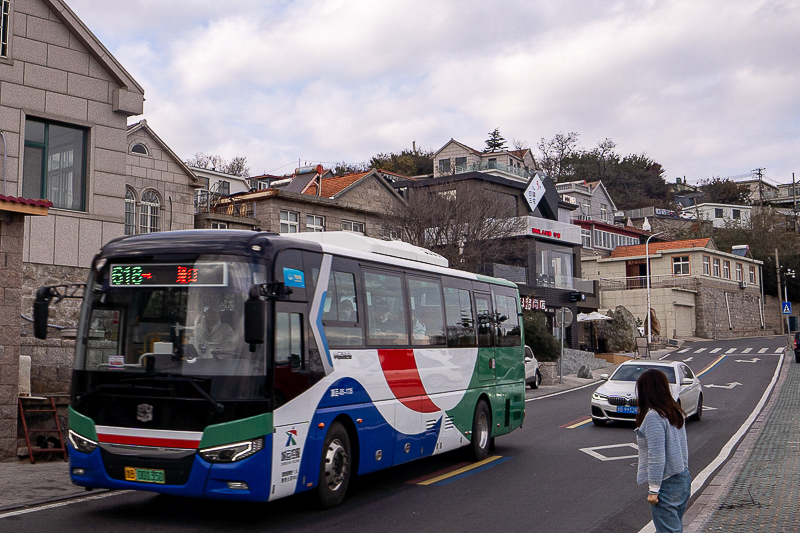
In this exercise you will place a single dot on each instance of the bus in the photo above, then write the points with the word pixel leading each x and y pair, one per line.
pixel 247 365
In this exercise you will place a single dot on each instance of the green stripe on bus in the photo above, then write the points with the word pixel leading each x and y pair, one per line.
pixel 495 281
pixel 238 430
pixel 82 425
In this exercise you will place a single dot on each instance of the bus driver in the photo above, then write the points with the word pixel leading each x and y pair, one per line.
pixel 209 331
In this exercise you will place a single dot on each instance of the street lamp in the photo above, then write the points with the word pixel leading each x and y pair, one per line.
pixel 647 264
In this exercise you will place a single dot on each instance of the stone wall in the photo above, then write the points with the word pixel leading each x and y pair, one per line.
pixel 574 359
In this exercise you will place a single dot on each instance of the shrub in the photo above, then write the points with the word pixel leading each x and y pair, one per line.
pixel 544 344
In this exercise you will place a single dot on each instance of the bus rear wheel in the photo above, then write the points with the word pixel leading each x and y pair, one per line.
pixel 334 468
pixel 481 432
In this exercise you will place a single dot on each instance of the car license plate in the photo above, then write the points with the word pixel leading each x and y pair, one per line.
pixel 144 475
pixel 631 410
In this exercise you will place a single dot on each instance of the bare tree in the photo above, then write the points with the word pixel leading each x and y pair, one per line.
pixel 236 167
pixel 462 221
pixel 555 152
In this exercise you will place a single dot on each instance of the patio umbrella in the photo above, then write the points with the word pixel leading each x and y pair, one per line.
pixel 594 316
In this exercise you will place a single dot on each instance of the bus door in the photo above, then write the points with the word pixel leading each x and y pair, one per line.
pixel 486 349
pixel 291 377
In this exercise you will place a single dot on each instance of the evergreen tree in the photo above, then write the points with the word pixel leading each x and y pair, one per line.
pixel 495 142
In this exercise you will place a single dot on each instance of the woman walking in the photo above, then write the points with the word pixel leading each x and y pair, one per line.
pixel 663 452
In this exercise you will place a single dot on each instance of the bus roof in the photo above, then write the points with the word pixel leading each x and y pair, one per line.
pixel 356 241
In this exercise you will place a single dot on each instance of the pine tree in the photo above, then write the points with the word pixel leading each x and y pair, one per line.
pixel 495 142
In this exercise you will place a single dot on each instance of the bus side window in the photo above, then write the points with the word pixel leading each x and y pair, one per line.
pixel 507 319
pixel 460 324
pixel 340 316
pixel 289 340
pixel 485 321
pixel 427 317
pixel 386 310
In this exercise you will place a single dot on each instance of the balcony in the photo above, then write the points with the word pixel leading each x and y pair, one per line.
pixel 656 282
pixel 554 281
pixel 520 173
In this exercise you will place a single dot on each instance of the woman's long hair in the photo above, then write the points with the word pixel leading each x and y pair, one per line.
pixel 652 389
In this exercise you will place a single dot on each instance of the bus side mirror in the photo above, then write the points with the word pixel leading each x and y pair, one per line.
pixel 40 311
pixel 255 317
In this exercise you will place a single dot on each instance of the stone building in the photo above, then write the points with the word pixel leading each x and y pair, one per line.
pixel 695 288
pixel 311 201
pixel 65 102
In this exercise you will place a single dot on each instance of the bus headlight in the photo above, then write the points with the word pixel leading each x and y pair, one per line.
pixel 230 453
pixel 82 444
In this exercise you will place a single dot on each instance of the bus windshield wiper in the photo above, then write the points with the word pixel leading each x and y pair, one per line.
pixel 166 376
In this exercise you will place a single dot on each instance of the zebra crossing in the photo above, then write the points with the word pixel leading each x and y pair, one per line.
pixel 743 351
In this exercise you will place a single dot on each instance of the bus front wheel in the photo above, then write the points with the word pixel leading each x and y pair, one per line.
pixel 481 432
pixel 334 468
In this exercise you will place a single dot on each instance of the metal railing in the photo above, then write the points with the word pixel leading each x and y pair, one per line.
pixel 656 282
pixel 478 167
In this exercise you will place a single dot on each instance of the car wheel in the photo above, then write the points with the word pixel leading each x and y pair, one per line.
pixel 481 432
pixel 334 468
pixel 599 421
pixel 698 415
pixel 537 380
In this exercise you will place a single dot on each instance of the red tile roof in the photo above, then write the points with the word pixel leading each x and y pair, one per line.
pixel 639 249
pixel 333 185
pixel 26 201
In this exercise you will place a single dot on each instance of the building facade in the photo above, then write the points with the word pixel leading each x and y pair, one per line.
pixel 695 289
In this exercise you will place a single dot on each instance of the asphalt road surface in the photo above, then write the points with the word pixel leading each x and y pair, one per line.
pixel 558 473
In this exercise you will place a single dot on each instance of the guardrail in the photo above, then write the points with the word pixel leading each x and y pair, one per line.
pixel 656 282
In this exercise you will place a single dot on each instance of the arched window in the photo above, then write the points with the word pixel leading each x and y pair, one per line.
pixel 130 212
pixel 149 212
pixel 139 148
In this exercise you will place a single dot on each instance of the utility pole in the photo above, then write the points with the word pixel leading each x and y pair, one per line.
pixel 759 172
pixel 794 204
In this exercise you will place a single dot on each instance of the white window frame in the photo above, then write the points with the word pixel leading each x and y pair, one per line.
pixel 5 28
pixel 706 265
pixel 726 269
pixel 130 211
pixel 716 267
pixel 586 238
pixel 355 227
pixel 752 275
pixel 680 265
pixel 219 225
pixel 290 221
pixel 149 212
pixel 739 272
pixel 315 223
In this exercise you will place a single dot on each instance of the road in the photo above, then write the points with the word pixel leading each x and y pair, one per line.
pixel 558 473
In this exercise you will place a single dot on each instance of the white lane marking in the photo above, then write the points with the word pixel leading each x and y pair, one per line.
pixel 597 455
pixel 64 503
pixel 729 386
pixel 684 350
pixel 731 350
pixel 700 350
pixel 780 350
pixel 753 360
pixel 688 359
pixel 715 350
pixel 747 350
pixel 700 480
pixel 763 350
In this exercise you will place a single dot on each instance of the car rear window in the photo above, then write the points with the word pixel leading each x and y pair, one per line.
pixel 632 372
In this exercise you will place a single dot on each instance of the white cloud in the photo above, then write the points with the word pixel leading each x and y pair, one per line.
pixel 704 88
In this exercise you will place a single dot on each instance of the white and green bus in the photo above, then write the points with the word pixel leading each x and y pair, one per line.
pixel 252 366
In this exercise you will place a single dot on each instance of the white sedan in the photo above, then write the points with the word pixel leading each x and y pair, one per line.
pixel 532 375
pixel 616 398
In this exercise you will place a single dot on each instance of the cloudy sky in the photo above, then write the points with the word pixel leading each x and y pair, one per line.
pixel 706 88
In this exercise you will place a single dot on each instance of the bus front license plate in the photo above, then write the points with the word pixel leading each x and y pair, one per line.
pixel 627 409
pixel 144 475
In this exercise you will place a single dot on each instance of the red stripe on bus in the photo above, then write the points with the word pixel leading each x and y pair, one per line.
pixel 402 375
pixel 148 441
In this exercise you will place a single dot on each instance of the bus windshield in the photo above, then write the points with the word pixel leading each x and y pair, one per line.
pixel 183 318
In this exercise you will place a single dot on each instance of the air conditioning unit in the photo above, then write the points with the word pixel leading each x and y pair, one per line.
pixel 743 284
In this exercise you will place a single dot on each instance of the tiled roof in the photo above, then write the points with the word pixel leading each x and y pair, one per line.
pixel 333 185
pixel 26 201
pixel 639 249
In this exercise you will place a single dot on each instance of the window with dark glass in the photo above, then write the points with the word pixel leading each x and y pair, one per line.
pixel 139 148
pixel 507 320
pixel 4 24
pixel 54 163
pixel 340 313
pixel 444 166
pixel 427 313
pixel 460 324
pixel 386 310
pixel 485 321
pixel 680 265
pixel 718 213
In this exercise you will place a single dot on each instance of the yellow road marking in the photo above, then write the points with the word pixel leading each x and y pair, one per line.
pixel 460 470
pixel 709 367
pixel 579 424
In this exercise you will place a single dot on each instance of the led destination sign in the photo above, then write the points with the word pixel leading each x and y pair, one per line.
pixel 170 275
